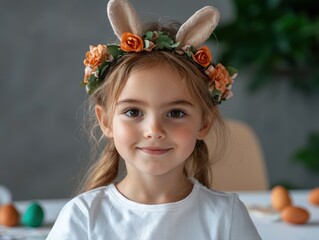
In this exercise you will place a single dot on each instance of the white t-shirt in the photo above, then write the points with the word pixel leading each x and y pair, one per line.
pixel 104 213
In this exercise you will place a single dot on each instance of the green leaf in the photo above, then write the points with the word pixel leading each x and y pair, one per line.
pixel 189 54
pixel 216 92
pixel 273 35
pixel 103 68
pixel 309 154
pixel 92 78
pixel 94 84
pixel 216 99
pixel 163 41
pixel 231 70
pixel 148 35
pixel 175 45
pixel 115 50
pixel 162 45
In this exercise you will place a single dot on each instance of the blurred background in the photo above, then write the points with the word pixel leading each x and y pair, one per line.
pixel 274 43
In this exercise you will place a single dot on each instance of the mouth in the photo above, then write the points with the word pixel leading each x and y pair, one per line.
pixel 154 150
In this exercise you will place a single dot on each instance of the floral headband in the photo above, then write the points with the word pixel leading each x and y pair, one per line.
pixel 100 57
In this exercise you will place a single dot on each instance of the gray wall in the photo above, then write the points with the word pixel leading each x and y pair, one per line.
pixel 43 152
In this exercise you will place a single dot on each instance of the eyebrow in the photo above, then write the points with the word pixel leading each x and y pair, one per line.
pixel 135 101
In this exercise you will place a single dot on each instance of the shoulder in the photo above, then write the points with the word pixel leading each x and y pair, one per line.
pixel 218 198
pixel 230 208
pixel 74 218
pixel 222 203
pixel 88 200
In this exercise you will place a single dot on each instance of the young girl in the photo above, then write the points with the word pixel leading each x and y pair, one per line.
pixel 155 98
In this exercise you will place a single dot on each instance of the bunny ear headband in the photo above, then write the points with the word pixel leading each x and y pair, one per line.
pixel 189 39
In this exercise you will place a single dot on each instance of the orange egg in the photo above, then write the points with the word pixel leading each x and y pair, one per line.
pixel 295 215
pixel 9 216
pixel 313 196
pixel 280 198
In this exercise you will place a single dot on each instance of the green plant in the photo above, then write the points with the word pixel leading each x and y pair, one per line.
pixel 309 154
pixel 276 37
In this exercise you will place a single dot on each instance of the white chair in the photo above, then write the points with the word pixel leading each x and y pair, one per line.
pixel 243 168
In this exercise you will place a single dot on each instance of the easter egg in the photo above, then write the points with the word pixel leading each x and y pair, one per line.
pixel 280 198
pixel 313 196
pixel 33 216
pixel 9 215
pixel 295 215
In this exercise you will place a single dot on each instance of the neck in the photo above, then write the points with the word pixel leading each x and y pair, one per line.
pixel 155 190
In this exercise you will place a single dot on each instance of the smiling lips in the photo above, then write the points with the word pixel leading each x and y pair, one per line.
pixel 154 150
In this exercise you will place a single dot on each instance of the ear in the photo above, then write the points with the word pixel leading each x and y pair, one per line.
pixel 123 18
pixel 197 29
pixel 103 121
pixel 204 130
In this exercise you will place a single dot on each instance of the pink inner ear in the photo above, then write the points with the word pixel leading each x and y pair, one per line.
pixel 197 29
pixel 124 18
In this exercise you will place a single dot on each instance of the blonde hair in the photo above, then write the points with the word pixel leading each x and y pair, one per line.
pixel 105 169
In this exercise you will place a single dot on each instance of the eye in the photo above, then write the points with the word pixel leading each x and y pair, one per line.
pixel 176 113
pixel 133 112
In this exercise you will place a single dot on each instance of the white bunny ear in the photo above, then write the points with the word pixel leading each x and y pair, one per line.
pixel 197 29
pixel 123 18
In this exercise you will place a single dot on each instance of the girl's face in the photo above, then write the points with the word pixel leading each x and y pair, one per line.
pixel 155 124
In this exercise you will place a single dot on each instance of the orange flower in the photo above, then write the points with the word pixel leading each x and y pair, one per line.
pixel 203 56
pixel 96 56
pixel 131 43
pixel 221 78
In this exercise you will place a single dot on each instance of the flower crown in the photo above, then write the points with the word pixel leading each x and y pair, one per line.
pixel 100 57
pixel 189 38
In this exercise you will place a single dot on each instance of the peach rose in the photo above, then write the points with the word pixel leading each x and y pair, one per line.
pixel 131 43
pixel 203 56
pixel 221 78
pixel 96 56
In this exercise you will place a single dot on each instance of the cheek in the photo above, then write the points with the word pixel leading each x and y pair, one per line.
pixel 123 133
pixel 185 135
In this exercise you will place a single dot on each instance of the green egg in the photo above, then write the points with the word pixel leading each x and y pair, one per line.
pixel 33 216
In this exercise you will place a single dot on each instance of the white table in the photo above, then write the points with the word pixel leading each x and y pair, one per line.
pixel 278 230
pixel 51 209
pixel 269 230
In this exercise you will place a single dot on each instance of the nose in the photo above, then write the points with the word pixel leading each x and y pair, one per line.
pixel 154 129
